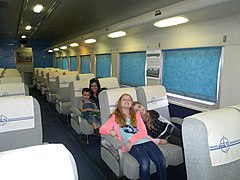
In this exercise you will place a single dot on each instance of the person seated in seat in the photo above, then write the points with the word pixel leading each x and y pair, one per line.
pixel 128 127
pixel 156 128
pixel 90 110
pixel 95 88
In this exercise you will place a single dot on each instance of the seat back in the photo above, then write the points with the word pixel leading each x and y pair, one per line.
pixel 5 80
pixel 76 91
pixel 53 160
pixel 13 89
pixel 20 122
pixel 85 76
pixel 63 86
pixel 212 144
pixel 154 98
pixel 108 100
pixel 109 82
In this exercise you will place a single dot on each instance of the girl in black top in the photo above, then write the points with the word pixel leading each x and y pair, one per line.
pixel 157 128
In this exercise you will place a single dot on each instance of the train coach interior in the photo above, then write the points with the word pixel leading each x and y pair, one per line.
pixel 189 72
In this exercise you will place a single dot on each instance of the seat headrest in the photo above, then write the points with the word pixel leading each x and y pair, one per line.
pixel 65 80
pixel 12 89
pixel 85 76
pixel 78 86
pixel 156 96
pixel 114 94
pixel 223 134
pixel 109 83
pixel 16 113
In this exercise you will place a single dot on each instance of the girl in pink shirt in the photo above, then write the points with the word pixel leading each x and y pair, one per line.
pixel 129 128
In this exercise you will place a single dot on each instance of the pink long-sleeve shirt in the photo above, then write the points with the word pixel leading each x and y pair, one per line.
pixel 111 124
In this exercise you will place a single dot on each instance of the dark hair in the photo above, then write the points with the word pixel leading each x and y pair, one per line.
pixel 86 90
pixel 95 80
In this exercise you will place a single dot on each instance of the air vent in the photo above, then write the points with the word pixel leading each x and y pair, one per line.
pixel 158 12
pixel 3 4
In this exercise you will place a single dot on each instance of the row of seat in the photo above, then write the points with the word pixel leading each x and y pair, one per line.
pixel 22 150
pixel 211 139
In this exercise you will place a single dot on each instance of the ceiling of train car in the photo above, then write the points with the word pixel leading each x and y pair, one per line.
pixel 64 19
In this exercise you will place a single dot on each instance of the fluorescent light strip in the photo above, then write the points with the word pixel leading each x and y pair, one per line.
pixel 89 41
pixel 171 21
pixel 63 47
pixel 74 44
pixel 117 34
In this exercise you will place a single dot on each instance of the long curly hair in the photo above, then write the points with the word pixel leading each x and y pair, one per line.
pixel 147 119
pixel 120 117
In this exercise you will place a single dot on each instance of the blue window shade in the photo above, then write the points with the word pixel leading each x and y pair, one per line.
pixel 73 63
pixel 132 68
pixel 64 63
pixel 192 72
pixel 58 62
pixel 103 65
pixel 85 64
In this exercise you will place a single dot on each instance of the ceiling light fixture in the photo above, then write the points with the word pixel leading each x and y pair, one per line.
pixel 56 49
pixel 74 44
pixel 63 47
pixel 117 34
pixel 50 50
pixel 38 8
pixel 89 41
pixel 171 21
pixel 23 36
pixel 28 27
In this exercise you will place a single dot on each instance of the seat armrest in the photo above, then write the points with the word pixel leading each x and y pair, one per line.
pixel 176 120
pixel 75 111
pixel 108 140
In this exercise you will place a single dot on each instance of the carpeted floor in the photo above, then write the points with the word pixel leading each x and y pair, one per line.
pixel 90 166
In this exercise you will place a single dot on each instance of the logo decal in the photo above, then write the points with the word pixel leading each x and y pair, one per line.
pixel 224 144
pixel 3 120
pixel 153 100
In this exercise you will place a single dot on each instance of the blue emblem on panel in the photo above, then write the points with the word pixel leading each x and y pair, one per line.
pixel 153 100
pixel 3 120
pixel 224 144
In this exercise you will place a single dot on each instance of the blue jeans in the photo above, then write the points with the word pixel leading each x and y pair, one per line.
pixel 90 117
pixel 145 152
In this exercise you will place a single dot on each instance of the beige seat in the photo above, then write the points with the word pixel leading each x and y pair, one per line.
pixel 21 123
pixel 120 163
pixel 211 143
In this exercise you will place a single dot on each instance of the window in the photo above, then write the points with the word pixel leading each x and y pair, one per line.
pixel 64 63
pixel 103 65
pixel 132 68
pixel 73 63
pixel 85 64
pixel 57 62
pixel 192 72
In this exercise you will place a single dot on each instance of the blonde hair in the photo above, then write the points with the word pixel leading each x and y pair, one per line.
pixel 148 121
pixel 121 117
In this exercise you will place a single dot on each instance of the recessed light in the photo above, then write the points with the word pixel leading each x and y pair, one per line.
pixel 56 49
pixel 74 44
pixel 38 8
pixel 171 21
pixel 28 27
pixel 50 50
pixel 63 47
pixel 23 36
pixel 117 34
pixel 89 41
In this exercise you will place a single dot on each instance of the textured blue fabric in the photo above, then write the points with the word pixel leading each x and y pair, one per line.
pixel 132 68
pixel 73 63
pixel 64 63
pixel 103 65
pixel 85 64
pixel 58 62
pixel 192 72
